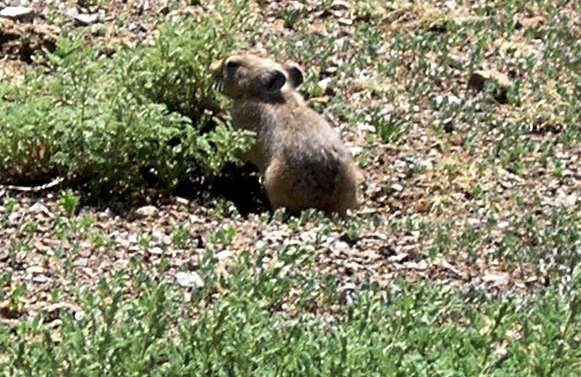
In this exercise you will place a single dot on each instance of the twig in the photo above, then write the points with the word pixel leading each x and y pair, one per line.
pixel 55 182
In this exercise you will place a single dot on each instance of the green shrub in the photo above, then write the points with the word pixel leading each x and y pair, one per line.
pixel 26 147
pixel 146 115
pixel 269 319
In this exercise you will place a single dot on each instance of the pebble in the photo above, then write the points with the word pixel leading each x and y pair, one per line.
pixel 449 99
pixel 86 19
pixel 397 187
pixel 325 85
pixel 40 279
pixel 155 250
pixel 564 200
pixel 146 211
pixel 340 5
pixel 189 279
pixel 224 254
pixel 35 270
pixel 71 12
pixel 16 13
pixel 497 278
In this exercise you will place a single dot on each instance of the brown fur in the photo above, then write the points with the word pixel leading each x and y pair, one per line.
pixel 303 160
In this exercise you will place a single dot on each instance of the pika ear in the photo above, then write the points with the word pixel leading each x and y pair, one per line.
pixel 275 80
pixel 295 74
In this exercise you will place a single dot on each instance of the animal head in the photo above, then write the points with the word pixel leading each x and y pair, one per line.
pixel 250 76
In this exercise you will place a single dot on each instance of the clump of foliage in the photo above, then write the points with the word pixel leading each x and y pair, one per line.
pixel 146 115
pixel 406 329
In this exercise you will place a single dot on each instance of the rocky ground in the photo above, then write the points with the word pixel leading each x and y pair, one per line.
pixel 439 204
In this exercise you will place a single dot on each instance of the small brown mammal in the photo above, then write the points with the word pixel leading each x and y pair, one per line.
pixel 303 160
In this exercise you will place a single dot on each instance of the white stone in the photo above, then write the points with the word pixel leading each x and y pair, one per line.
pixel 146 211
pixel 16 12
pixel 189 279
pixel 86 19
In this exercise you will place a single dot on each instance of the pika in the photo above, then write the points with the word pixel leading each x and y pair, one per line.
pixel 302 159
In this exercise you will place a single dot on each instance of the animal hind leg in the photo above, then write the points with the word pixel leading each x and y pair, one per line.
pixel 274 185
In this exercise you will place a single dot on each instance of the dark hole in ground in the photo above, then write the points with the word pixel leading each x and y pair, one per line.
pixel 245 191
pixel 239 185
pixel 26 52
pixel 20 43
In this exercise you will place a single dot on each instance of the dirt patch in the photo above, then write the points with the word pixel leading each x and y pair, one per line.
pixel 20 41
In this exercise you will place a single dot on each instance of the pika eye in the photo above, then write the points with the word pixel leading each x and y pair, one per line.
pixel 232 65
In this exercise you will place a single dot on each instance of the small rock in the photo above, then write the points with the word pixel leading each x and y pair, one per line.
pixel 352 267
pixel 325 85
pixel 503 224
pixel 456 61
pixel 378 236
pixel 345 21
pixel 365 127
pixel 348 293
pixel 189 279
pixel 14 217
pixel 57 309
pixel 182 201
pixel 397 187
pixel 474 222
pixel 418 266
pixel 449 99
pixel 132 238
pixel 16 13
pixel 564 200
pixel 317 27
pixel 348 287
pixel 71 12
pixel 155 250
pixel 35 270
pixel 497 278
pixel 41 279
pixel 160 237
pixel 451 4
pixel 224 254
pixel 530 22
pixel 105 215
pixel 86 19
pixel 398 258
pixel 340 5
pixel 385 110
pixel 81 262
pixel 143 6
pixel 146 211
pixel 340 246
pixel 98 30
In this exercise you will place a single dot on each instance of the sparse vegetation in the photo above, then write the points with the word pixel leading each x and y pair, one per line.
pixel 267 319
pixel 464 260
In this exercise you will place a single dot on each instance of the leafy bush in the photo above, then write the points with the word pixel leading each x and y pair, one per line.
pixel 147 115
pixel 236 325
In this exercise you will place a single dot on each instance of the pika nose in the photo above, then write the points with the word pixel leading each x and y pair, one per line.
pixel 216 68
